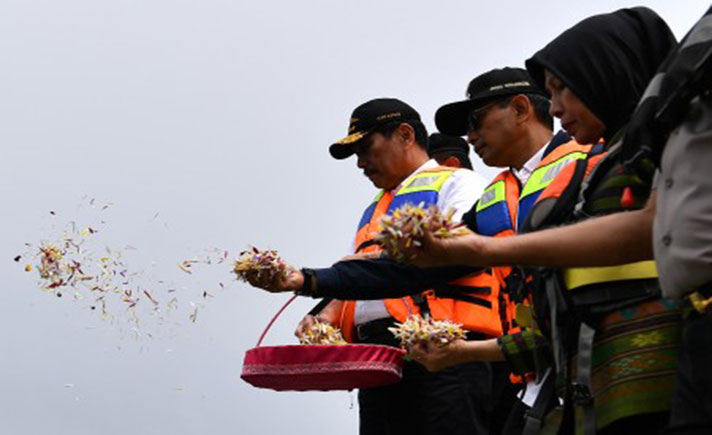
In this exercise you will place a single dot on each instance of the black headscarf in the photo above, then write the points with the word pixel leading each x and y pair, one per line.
pixel 607 60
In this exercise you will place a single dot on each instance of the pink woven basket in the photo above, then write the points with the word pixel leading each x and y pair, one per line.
pixel 321 367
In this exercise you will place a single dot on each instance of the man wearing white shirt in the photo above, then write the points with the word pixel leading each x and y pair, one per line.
pixel 526 170
pixel 506 120
pixel 458 192
pixel 390 143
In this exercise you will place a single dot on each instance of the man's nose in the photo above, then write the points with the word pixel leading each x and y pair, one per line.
pixel 360 161
pixel 555 108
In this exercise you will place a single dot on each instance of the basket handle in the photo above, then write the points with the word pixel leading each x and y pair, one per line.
pixel 269 325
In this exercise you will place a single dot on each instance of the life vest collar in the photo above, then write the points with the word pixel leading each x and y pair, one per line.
pixel 505 205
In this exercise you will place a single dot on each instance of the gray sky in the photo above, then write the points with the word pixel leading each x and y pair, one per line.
pixel 217 115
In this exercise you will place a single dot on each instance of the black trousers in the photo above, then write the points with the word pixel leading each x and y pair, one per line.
pixel 453 401
pixel 692 403
pixel 506 411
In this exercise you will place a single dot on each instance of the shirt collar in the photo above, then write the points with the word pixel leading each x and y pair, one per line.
pixel 525 172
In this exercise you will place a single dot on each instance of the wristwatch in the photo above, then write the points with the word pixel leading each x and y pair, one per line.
pixel 309 285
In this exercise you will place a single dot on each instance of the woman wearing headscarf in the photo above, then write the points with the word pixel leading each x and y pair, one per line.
pixel 613 339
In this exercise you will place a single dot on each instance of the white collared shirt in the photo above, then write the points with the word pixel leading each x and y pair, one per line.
pixel 525 172
pixel 459 192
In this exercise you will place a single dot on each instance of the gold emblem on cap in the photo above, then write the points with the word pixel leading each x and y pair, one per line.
pixel 351 138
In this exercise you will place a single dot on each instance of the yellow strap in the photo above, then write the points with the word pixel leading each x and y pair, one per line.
pixel 581 276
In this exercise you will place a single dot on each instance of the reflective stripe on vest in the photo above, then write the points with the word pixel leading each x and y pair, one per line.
pixel 577 277
pixel 540 179
pixel 422 188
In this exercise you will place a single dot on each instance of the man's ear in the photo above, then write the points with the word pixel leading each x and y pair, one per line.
pixel 405 132
pixel 522 107
pixel 450 161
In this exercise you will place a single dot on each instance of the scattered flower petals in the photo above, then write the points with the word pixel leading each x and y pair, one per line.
pixel 74 265
pixel 185 265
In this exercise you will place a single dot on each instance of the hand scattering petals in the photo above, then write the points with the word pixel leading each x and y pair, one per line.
pixel 265 264
pixel 416 330
pixel 404 229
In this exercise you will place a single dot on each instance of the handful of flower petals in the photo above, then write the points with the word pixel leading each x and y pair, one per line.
pixel 322 333
pixel 405 228
pixel 265 264
pixel 416 330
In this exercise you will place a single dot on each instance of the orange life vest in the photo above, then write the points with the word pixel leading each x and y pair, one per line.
pixel 477 305
pixel 505 205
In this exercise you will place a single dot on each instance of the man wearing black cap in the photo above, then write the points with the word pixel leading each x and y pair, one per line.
pixel 389 141
pixel 506 120
pixel 449 150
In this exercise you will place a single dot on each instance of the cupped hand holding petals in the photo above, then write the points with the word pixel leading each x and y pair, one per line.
pixel 436 357
pixel 291 281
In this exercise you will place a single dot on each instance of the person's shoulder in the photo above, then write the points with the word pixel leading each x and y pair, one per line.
pixel 465 181
pixel 468 176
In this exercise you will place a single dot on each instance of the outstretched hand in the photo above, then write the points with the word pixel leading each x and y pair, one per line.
pixel 293 281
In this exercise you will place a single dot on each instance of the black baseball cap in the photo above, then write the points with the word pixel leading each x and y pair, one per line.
pixel 367 117
pixel 442 143
pixel 451 118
